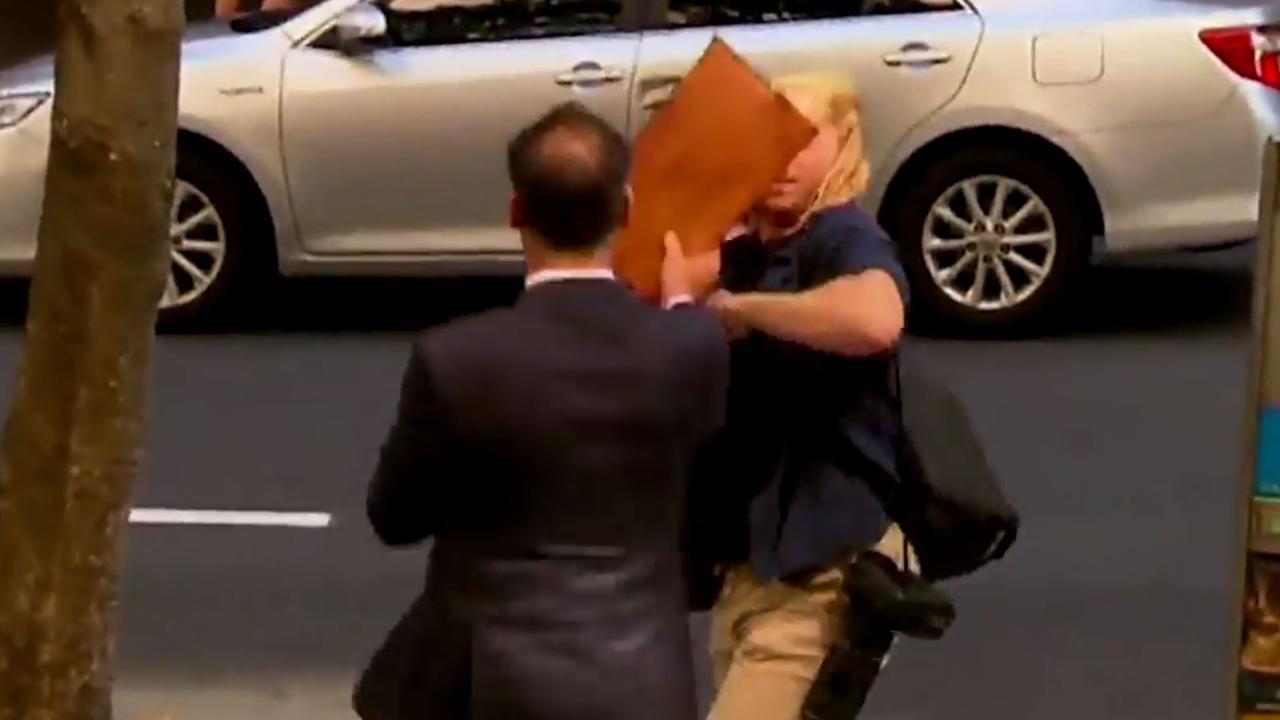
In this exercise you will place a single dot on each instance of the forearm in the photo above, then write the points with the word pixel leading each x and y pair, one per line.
pixel 849 317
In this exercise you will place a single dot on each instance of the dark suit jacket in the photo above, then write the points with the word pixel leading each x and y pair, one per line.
pixel 547 448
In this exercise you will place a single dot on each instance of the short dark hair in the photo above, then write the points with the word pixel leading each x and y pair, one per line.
pixel 570 170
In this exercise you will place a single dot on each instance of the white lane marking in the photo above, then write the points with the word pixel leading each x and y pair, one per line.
pixel 165 516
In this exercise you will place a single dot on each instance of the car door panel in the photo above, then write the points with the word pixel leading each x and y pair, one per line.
pixel 403 150
pixel 906 67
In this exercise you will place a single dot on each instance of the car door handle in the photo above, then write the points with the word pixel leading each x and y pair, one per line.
pixel 587 74
pixel 657 91
pixel 655 99
pixel 917 56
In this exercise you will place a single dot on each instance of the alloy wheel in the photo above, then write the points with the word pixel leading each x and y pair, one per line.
pixel 198 246
pixel 989 242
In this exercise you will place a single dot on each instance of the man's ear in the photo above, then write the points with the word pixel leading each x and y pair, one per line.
pixel 627 205
pixel 515 212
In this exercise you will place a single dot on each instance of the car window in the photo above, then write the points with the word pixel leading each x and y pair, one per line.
pixel 700 13
pixel 259 20
pixel 451 22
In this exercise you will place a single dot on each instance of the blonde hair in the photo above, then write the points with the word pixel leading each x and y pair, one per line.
pixel 832 100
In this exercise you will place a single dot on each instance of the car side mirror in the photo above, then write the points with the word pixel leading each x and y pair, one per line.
pixel 358 27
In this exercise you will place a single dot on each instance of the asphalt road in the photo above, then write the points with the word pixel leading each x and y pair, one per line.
pixel 1119 440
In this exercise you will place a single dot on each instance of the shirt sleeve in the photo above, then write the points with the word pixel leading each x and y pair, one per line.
pixel 677 301
pixel 410 487
pixel 856 246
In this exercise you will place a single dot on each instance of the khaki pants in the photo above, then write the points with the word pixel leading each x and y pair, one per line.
pixel 768 640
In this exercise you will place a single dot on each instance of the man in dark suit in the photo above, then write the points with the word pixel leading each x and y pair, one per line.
pixel 546 449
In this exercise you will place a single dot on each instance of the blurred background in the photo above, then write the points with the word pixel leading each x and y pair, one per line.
pixel 26 26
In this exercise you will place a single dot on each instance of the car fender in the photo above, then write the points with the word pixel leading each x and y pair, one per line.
pixel 953 121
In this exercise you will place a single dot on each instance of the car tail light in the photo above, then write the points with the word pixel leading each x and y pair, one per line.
pixel 1252 53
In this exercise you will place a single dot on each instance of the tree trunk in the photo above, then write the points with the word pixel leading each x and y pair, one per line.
pixel 72 442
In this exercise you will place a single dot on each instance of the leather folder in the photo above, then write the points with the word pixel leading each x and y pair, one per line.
pixel 703 161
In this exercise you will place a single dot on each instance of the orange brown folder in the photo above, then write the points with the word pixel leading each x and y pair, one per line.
pixel 703 161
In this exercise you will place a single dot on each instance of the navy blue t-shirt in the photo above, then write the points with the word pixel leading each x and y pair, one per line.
pixel 787 402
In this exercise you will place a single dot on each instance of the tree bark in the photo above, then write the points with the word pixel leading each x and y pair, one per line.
pixel 71 445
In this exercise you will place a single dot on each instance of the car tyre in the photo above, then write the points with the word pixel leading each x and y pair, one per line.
pixel 212 258
pixel 1023 261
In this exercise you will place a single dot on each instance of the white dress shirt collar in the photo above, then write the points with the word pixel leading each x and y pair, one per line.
pixel 557 275
pixel 550 276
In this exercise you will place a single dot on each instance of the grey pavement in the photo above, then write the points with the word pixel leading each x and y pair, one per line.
pixel 1118 438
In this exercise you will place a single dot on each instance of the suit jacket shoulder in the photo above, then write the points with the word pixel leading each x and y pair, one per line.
pixel 464 332
pixel 466 344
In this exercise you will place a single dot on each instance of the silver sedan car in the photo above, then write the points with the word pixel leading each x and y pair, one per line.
pixel 1011 140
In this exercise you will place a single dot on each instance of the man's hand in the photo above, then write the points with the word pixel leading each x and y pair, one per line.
pixel 728 309
pixel 677 286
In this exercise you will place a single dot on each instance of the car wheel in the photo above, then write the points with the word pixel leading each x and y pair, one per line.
pixel 209 251
pixel 990 238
